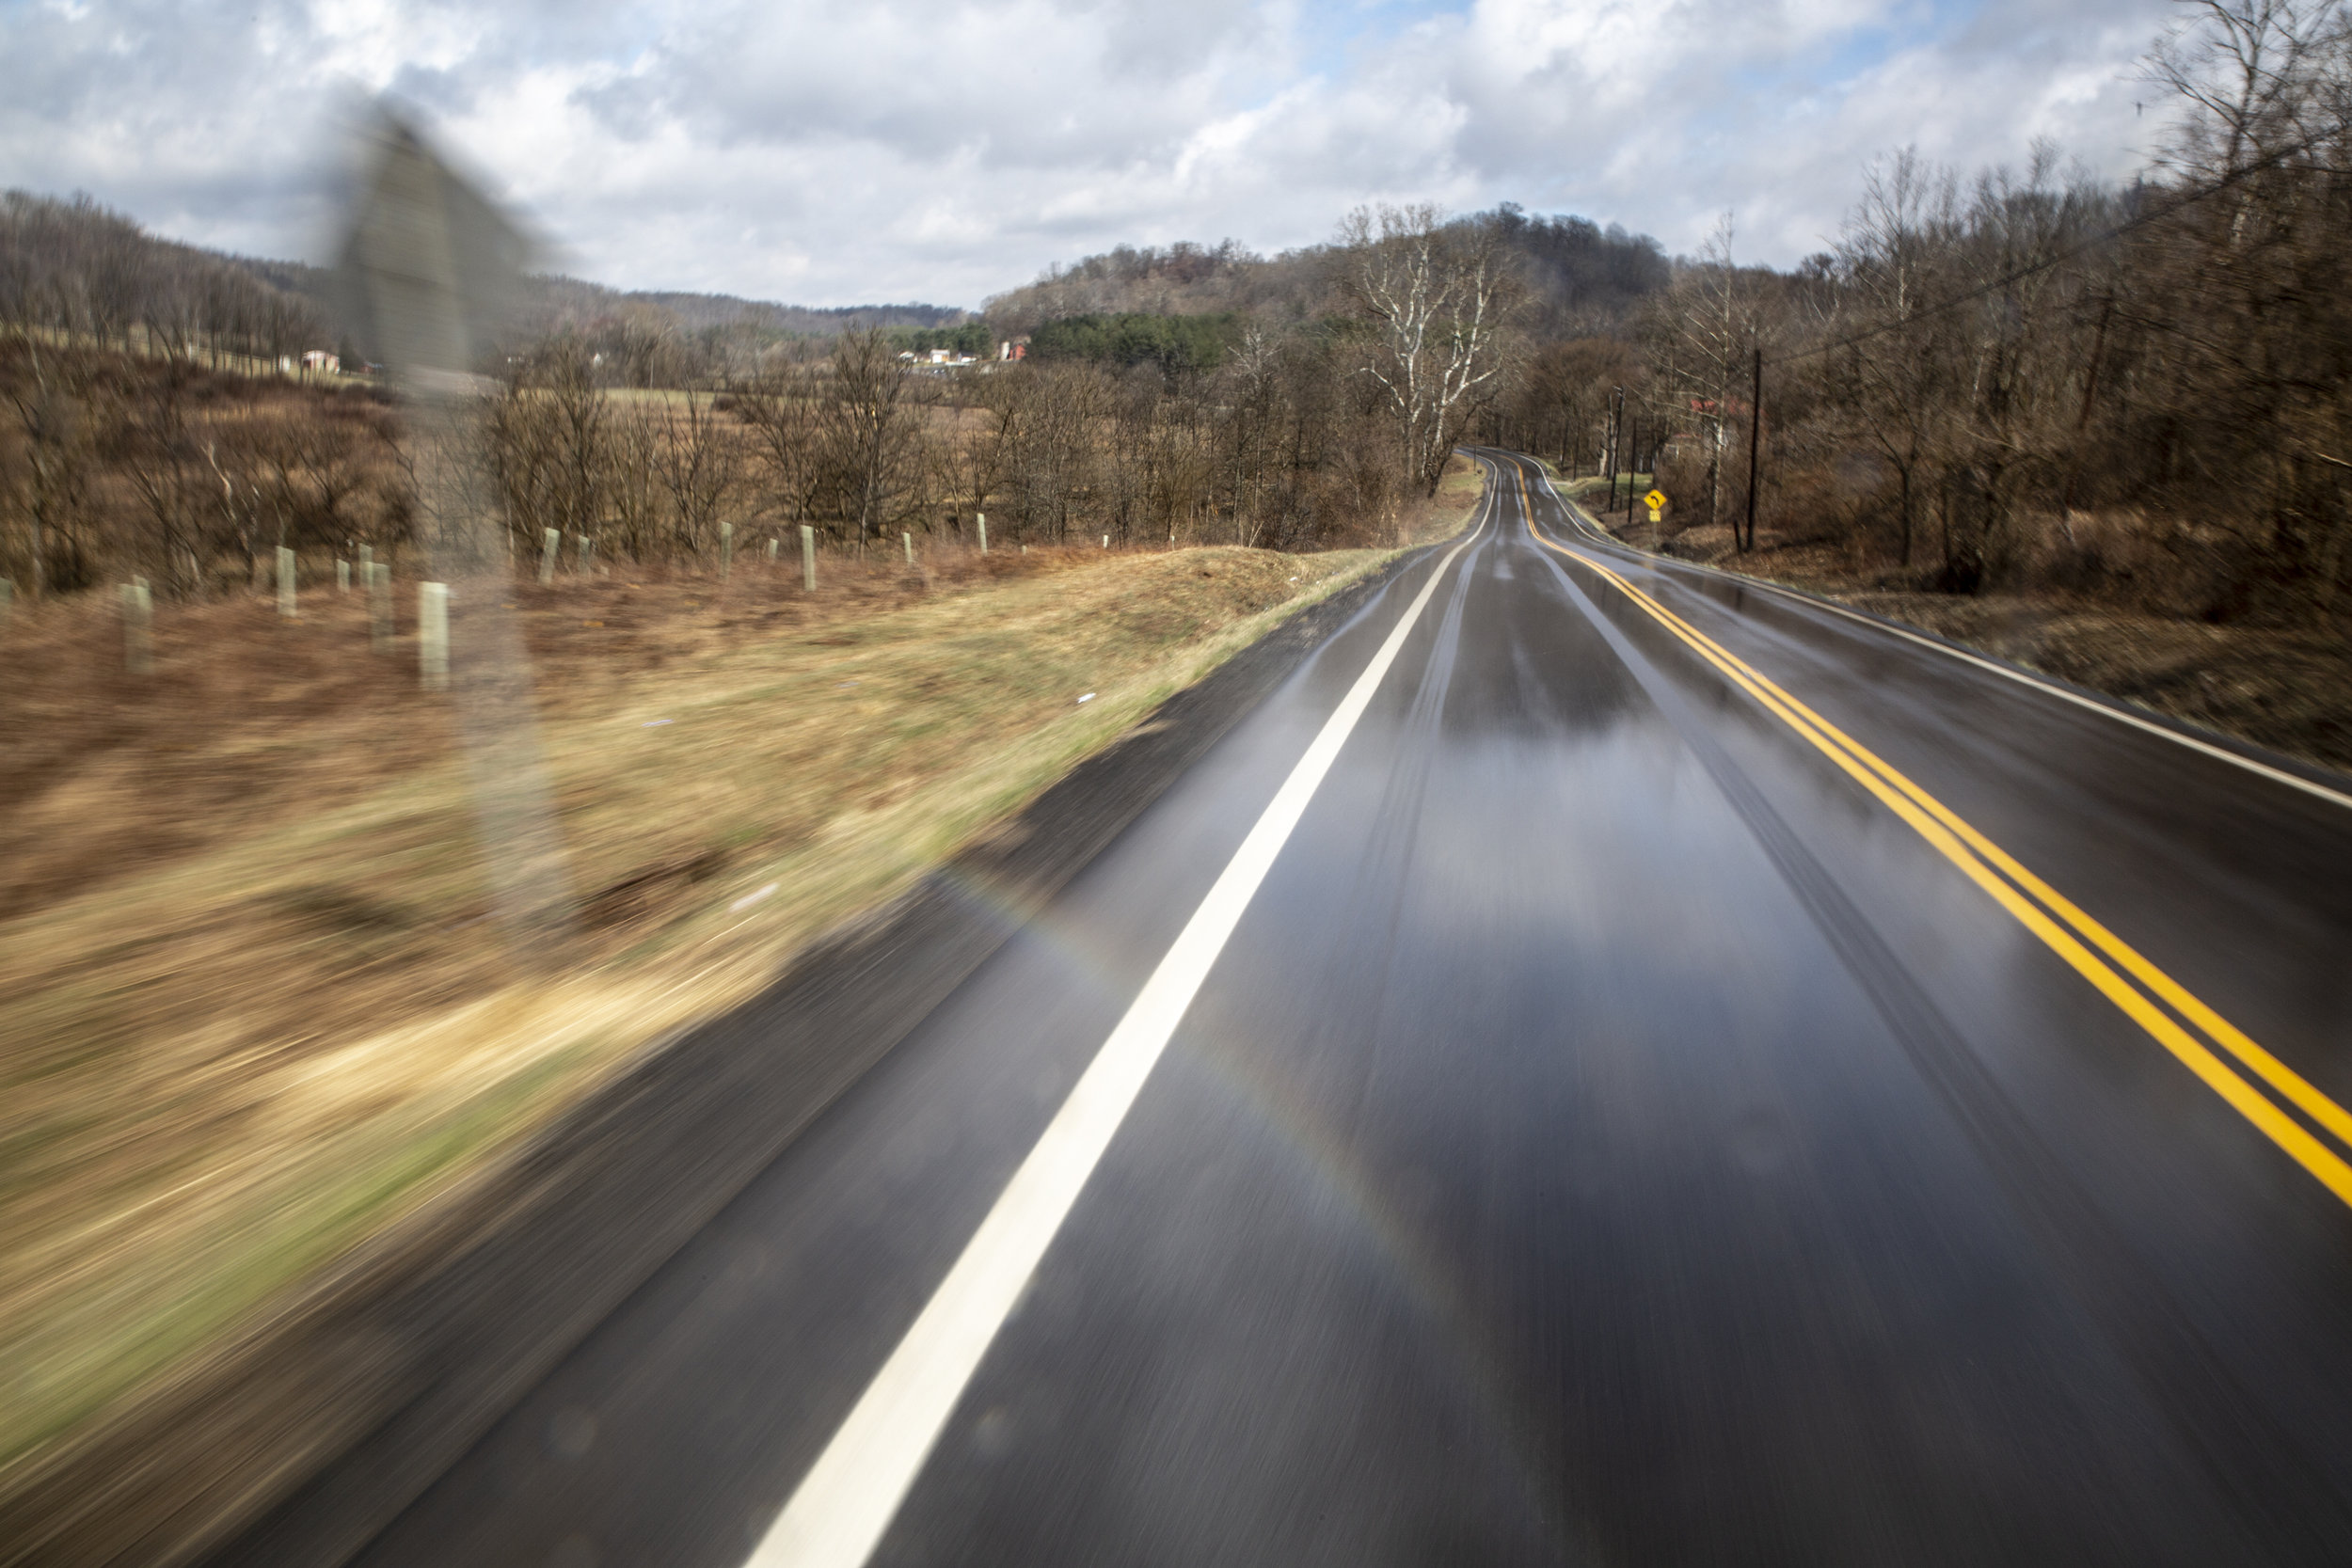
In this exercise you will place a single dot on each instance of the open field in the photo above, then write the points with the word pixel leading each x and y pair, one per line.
pixel 252 1004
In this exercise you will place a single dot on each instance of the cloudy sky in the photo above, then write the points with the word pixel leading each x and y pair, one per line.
pixel 833 151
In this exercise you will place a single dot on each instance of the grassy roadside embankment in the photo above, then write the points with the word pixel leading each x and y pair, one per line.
pixel 2285 687
pixel 252 1007
pixel 1458 490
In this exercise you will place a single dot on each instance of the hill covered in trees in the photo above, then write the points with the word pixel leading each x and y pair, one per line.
pixel 85 271
pixel 80 270
pixel 2030 379
pixel 1576 278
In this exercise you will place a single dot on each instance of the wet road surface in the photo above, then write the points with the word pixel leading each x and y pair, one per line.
pixel 1704 1079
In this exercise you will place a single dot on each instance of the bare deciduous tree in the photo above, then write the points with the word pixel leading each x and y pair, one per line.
pixel 870 433
pixel 1438 298
pixel 698 465
pixel 50 401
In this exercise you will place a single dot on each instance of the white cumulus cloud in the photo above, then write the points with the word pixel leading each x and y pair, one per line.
pixel 944 149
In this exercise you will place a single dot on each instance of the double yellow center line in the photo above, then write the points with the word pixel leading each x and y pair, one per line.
pixel 2093 951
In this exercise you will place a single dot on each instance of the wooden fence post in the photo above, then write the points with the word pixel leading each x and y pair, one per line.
pixel 380 606
pixel 808 556
pixel 138 648
pixel 285 582
pixel 433 635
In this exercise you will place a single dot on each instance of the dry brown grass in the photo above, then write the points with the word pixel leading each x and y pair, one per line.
pixel 1458 491
pixel 251 1005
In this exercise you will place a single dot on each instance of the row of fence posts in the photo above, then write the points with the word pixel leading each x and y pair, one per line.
pixel 375 581
pixel 552 542
pixel 378 588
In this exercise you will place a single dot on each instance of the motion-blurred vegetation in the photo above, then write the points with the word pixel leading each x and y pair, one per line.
pixel 253 1009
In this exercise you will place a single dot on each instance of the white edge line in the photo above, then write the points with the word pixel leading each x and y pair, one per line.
pixel 838 1514
pixel 2023 677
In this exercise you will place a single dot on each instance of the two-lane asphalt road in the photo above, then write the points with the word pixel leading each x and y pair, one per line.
pixel 1610 1064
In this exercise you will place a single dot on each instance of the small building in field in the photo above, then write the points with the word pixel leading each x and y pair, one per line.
pixel 319 360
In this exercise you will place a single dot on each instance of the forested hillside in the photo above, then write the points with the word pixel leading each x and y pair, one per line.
pixel 82 271
pixel 79 271
pixel 2029 378
pixel 1578 279
pixel 143 442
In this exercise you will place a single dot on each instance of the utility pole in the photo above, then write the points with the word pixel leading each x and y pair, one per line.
pixel 1616 424
pixel 1755 431
pixel 2082 419
pixel 1632 464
